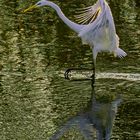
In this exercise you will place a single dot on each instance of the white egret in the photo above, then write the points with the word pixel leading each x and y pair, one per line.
pixel 99 32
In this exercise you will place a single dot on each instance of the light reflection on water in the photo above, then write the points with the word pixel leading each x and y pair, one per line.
pixel 34 99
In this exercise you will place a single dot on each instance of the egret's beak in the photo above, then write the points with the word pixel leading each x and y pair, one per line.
pixel 30 8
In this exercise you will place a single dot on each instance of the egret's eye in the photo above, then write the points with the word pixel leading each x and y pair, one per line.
pixel 39 3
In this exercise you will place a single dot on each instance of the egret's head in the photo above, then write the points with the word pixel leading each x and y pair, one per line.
pixel 38 4
pixel 41 3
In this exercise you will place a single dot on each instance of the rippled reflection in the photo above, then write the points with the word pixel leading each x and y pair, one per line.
pixel 97 122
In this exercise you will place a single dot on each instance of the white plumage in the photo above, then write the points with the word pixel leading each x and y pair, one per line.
pixel 100 34
pixel 96 27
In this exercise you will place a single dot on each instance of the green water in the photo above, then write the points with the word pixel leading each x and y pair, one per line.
pixel 34 47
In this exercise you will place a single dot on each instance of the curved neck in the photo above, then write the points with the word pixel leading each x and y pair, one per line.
pixel 74 26
pixel 102 2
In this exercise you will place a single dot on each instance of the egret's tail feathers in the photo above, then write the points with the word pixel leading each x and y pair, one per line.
pixel 120 53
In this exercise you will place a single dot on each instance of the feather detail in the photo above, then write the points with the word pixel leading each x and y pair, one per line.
pixel 88 15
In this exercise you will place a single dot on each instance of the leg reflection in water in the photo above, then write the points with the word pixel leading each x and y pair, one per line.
pixel 99 118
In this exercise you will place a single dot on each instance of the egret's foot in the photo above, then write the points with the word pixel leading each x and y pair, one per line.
pixel 79 74
pixel 67 73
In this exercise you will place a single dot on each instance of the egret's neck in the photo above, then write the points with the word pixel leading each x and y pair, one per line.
pixel 72 25
pixel 102 3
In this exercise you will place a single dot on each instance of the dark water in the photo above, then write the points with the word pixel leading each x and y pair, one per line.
pixel 35 99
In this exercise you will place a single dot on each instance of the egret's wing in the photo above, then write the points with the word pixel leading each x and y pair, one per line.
pixel 88 15
pixel 104 20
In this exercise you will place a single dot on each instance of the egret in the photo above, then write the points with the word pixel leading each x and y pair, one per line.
pixel 96 27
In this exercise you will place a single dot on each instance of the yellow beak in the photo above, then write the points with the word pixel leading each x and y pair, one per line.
pixel 30 8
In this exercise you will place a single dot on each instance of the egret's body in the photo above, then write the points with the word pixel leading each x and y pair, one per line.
pixel 99 32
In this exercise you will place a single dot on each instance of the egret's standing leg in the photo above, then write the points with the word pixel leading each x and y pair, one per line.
pixel 94 53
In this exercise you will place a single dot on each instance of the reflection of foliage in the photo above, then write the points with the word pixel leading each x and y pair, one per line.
pixel 130 112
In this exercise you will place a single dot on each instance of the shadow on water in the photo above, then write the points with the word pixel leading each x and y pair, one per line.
pixel 95 122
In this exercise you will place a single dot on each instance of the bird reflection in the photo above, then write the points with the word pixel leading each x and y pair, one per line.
pixel 96 123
